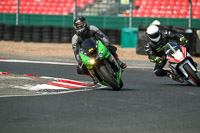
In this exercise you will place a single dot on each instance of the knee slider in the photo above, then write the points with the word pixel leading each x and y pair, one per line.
pixel 158 72
pixel 112 49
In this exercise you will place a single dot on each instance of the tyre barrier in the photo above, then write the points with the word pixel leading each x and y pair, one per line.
pixel 1 31
pixel 37 34
pixel 27 33
pixel 56 34
pixel 8 32
pixel 141 40
pixel 66 34
pixel 18 33
pixel 47 34
pixel 114 36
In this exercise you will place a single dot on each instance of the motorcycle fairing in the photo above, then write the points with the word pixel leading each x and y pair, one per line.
pixel 103 52
pixel 183 49
pixel 173 60
pixel 178 56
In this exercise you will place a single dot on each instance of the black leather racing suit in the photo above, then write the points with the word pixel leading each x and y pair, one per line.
pixel 156 50
pixel 91 32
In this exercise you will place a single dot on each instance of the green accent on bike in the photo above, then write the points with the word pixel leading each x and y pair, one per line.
pixel 104 83
pixel 102 50
pixel 119 75
pixel 86 60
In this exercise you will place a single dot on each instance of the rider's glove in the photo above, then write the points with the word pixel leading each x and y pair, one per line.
pixel 160 59
pixel 183 40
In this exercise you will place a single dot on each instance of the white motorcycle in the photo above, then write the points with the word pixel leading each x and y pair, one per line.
pixel 182 64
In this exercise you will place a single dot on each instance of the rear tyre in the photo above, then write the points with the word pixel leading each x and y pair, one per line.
pixel 192 74
pixel 109 78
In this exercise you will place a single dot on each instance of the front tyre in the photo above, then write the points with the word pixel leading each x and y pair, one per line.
pixel 109 78
pixel 192 74
pixel 121 84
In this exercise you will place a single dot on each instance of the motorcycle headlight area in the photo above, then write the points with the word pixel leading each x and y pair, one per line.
pixel 91 61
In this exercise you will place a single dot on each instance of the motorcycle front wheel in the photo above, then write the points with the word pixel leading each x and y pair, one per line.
pixel 192 74
pixel 109 78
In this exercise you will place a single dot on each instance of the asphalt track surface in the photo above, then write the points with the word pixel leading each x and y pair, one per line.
pixel 146 104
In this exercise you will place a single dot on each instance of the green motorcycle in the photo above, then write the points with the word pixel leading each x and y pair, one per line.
pixel 101 64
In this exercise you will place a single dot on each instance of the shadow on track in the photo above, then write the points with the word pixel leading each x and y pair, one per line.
pixel 183 85
pixel 123 89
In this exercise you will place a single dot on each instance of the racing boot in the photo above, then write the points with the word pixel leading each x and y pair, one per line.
pixel 195 64
pixel 113 50
pixel 121 64
pixel 177 78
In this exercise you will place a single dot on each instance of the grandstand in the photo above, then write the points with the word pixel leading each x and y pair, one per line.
pixel 166 8
pixel 143 8
pixel 48 7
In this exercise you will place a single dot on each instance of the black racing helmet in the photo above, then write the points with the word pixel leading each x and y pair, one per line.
pixel 80 24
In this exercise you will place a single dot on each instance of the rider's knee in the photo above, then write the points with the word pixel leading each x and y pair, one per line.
pixel 112 49
pixel 159 72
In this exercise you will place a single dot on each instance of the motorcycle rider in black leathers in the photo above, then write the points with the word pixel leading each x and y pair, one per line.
pixel 155 48
pixel 85 31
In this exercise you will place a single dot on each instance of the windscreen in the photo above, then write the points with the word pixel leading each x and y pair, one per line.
pixel 89 46
pixel 171 47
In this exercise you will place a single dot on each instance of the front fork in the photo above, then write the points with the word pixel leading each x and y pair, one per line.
pixel 93 75
pixel 113 63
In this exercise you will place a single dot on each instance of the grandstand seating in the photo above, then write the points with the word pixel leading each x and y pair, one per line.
pixel 146 8
pixel 166 8
pixel 51 7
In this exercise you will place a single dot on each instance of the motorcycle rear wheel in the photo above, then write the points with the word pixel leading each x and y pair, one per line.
pixel 109 78
pixel 192 74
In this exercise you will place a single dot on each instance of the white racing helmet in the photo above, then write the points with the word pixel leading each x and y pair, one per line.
pixel 153 33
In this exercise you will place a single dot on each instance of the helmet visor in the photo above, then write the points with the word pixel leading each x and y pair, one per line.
pixel 80 26
pixel 156 39
pixel 154 36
